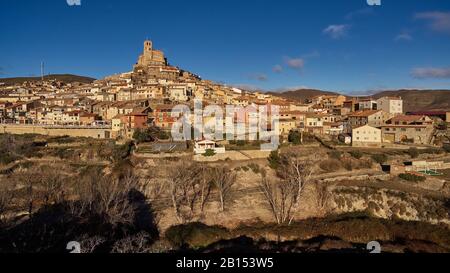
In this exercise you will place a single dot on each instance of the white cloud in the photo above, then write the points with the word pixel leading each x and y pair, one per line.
pixel 430 73
pixel 336 31
pixel 404 36
pixel 295 63
pixel 437 20
pixel 277 68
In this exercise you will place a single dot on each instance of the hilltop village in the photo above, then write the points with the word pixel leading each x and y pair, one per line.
pixel 117 106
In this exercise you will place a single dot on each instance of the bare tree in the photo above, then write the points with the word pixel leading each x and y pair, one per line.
pixel 205 186
pixel 6 196
pixel 51 184
pixel 27 180
pixel 223 179
pixel 322 196
pixel 283 193
pixel 106 197
pixel 184 189
pixel 90 244
pixel 138 243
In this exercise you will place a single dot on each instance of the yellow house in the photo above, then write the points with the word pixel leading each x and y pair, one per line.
pixel 286 125
pixel 366 136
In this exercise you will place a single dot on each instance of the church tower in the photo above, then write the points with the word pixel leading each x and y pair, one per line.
pixel 148 46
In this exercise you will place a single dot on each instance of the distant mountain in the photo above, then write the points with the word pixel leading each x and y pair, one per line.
pixel 413 100
pixel 302 94
pixel 421 100
pixel 67 78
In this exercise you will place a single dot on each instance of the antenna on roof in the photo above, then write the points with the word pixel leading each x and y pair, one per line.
pixel 42 71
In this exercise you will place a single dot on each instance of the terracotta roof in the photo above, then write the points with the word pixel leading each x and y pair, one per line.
pixel 364 113
pixel 406 118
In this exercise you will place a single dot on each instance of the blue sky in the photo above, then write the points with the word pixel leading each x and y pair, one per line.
pixel 340 45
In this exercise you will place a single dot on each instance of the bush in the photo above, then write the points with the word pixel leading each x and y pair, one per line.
pixel 446 148
pixel 141 136
pixel 195 235
pixel 432 151
pixel 149 135
pixel 380 158
pixel 335 155
pixel 6 158
pixel 254 167
pixel 209 152
pixel 411 177
pixel 295 137
pixel 347 164
pixel 365 163
pixel 122 151
pixel 356 154
pixel 274 159
pixel 413 152
pixel 330 165
pixel 240 143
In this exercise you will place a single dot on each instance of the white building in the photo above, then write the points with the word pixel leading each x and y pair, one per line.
pixel 202 146
pixel 366 136
pixel 391 105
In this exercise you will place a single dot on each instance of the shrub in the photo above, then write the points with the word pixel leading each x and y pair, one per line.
pixel 254 167
pixel 149 134
pixel 347 164
pixel 240 143
pixel 365 163
pixel 295 137
pixel 335 154
pixel 413 152
pixel 141 136
pixel 330 165
pixel 411 177
pixel 209 152
pixel 195 235
pixel 356 154
pixel 380 158
pixel 122 151
pixel 446 148
pixel 6 158
pixel 432 151
pixel 274 159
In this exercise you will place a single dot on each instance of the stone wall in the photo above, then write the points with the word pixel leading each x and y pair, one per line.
pixel 43 130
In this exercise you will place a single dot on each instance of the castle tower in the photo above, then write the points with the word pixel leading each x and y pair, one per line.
pixel 148 46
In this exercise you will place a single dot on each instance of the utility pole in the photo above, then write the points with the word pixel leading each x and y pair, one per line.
pixel 42 71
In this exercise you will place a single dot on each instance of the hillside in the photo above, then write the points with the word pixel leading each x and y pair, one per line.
pixel 302 94
pixel 67 78
pixel 420 100
pixel 414 100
